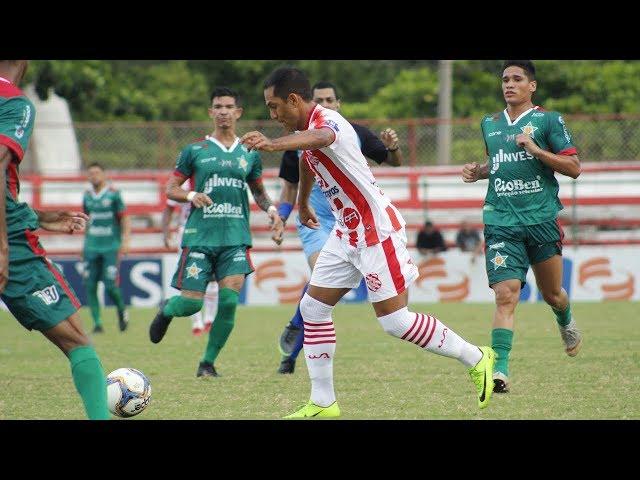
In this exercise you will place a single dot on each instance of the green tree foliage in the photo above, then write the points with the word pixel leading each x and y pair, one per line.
pixel 105 90
pixel 100 90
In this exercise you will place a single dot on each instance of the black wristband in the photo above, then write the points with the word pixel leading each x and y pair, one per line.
pixel 394 150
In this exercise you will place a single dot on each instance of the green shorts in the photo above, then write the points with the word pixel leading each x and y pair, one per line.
pixel 101 266
pixel 509 251
pixel 200 265
pixel 37 294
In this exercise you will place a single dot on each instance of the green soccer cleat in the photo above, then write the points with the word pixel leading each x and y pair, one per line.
pixel 313 410
pixel 482 376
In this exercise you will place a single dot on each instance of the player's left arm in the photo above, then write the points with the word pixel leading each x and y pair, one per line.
pixel 125 224
pixel 66 221
pixel 563 157
pixel 260 195
pixel 391 144
pixel 306 140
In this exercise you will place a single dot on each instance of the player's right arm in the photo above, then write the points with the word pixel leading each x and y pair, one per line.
pixel 472 172
pixel 5 157
pixel 306 140
pixel 175 192
pixel 184 170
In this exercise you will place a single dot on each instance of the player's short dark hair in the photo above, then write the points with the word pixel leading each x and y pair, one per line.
pixel 325 84
pixel 428 223
pixel 97 165
pixel 526 65
pixel 225 92
pixel 288 80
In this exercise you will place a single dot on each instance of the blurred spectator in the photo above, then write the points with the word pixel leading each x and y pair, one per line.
pixel 468 240
pixel 430 240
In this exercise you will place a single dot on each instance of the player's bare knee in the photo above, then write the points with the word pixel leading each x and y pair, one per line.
pixel 67 335
pixel 233 282
pixel 506 295
pixel 552 297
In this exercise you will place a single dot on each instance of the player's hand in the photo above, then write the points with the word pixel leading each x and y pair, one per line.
pixel 4 267
pixel 277 227
pixel 390 138
pixel 308 217
pixel 525 141
pixel 257 141
pixel 64 221
pixel 471 172
pixel 201 200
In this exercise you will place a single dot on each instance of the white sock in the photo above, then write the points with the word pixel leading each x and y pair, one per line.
pixel 210 302
pixel 431 334
pixel 319 349
pixel 196 320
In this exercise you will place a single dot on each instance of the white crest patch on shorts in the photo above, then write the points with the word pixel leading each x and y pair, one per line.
pixel 373 282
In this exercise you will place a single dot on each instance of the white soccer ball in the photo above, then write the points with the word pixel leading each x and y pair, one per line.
pixel 128 392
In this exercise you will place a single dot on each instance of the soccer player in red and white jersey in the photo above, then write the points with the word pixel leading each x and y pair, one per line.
pixel 369 240
pixel 200 321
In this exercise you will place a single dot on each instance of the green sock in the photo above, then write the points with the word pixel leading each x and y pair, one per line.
pixel 114 292
pixel 563 317
pixel 90 381
pixel 501 340
pixel 223 323
pixel 180 306
pixel 94 304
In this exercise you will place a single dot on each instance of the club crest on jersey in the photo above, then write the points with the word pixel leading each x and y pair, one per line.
pixel 351 218
pixel 529 129
pixel 106 202
pixel 373 282
pixel 312 159
pixel 242 163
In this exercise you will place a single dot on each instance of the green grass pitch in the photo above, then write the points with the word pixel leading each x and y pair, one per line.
pixel 376 376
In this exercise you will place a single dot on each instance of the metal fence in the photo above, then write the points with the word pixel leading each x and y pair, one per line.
pixel 155 145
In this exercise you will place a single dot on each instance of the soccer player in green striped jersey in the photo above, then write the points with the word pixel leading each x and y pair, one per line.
pixel 525 146
pixel 31 285
pixel 217 238
pixel 106 240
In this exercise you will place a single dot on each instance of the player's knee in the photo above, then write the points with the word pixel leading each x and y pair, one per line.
pixel 68 336
pixel 506 295
pixel 552 296
pixel 314 311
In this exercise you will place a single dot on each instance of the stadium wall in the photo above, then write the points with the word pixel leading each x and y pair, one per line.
pixel 590 274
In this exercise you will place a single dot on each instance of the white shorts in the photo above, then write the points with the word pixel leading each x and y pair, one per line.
pixel 386 267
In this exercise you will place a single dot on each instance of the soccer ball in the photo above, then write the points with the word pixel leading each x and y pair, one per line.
pixel 128 392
